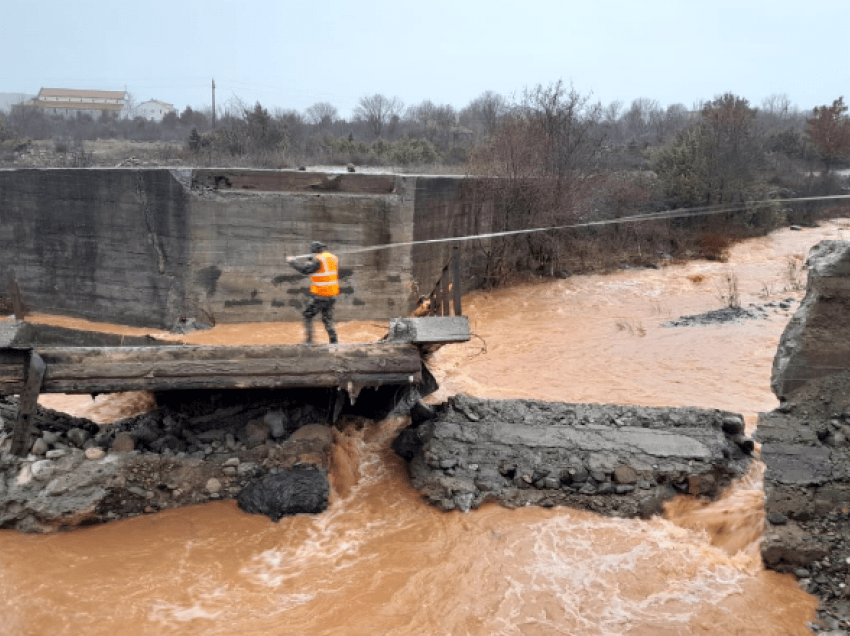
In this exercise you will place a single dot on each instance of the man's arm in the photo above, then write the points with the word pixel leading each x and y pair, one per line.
pixel 309 265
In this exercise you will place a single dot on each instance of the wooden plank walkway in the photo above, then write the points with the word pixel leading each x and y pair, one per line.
pixel 180 367
pixel 35 359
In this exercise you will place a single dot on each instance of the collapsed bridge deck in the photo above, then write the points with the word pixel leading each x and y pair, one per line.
pixel 36 359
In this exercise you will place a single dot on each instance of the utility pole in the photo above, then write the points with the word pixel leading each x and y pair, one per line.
pixel 213 105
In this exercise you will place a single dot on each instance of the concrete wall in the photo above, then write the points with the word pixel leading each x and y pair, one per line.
pixel 101 244
pixel 151 247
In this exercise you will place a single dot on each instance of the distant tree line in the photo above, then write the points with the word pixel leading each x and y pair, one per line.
pixel 549 157
pixel 632 134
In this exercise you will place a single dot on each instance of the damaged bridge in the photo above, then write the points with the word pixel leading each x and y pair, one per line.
pixel 35 359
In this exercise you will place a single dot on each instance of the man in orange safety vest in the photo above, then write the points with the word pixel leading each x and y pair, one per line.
pixel 323 269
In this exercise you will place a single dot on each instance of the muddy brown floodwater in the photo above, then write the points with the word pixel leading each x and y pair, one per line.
pixel 380 561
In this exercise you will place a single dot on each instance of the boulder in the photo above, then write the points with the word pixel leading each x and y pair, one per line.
pixel 255 432
pixel 78 436
pixel 287 492
pixel 39 447
pixel 95 453
pixel 123 443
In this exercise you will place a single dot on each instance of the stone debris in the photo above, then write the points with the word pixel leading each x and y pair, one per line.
pixel 194 448
pixel 95 453
pixel 614 460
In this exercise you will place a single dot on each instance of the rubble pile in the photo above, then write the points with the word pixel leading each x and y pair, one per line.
pixel 188 452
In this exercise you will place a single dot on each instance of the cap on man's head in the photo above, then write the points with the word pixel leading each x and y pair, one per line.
pixel 316 247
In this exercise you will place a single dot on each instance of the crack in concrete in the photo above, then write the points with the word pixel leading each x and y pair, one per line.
pixel 141 195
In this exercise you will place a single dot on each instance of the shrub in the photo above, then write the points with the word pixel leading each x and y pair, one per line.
pixel 714 247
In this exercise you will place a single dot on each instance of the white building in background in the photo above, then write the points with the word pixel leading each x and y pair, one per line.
pixel 69 101
pixel 153 109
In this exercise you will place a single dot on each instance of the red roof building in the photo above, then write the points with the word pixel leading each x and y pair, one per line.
pixel 69 101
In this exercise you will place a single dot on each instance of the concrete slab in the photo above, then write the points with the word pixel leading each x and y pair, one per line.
pixel 430 330
pixel 612 459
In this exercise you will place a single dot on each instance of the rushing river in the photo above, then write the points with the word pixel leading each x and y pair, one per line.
pixel 380 561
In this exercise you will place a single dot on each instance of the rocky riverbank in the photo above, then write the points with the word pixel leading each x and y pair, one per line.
pixel 807 488
pixel 614 460
pixel 192 449
pixel 806 441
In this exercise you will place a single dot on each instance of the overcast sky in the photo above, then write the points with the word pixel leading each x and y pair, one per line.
pixel 288 54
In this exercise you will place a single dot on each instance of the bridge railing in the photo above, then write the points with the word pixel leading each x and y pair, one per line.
pixel 447 292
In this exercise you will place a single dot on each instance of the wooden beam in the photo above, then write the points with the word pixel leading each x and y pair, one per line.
pixel 33 373
pixel 112 369
pixel 445 309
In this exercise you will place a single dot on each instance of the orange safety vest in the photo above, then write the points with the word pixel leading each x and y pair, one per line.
pixel 325 282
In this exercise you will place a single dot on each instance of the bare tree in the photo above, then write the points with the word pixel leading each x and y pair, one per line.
pixel 234 107
pixel 569 122
pixel 5 133
pixel 292 122
pixel 432 120
pixel 378 111
pixel 777 114
pixel 322 114
pixel 428 111
pixel 778 106
pixel 611 120
pixel 638 118
pixel 665 123
pixel 829 130
pixel 486 110
pixel 28 120
pixel 544 156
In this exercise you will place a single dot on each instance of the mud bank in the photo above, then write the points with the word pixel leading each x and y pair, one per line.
pixel 622 461
pixel 806 441
pixel 190 450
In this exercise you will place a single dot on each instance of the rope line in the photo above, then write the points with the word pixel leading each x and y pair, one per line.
pixel 678 213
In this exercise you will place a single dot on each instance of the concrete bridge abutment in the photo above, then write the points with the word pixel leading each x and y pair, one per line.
pixel 156 247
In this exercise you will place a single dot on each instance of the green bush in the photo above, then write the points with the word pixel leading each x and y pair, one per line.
pixel 413 151
pixel 404 151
